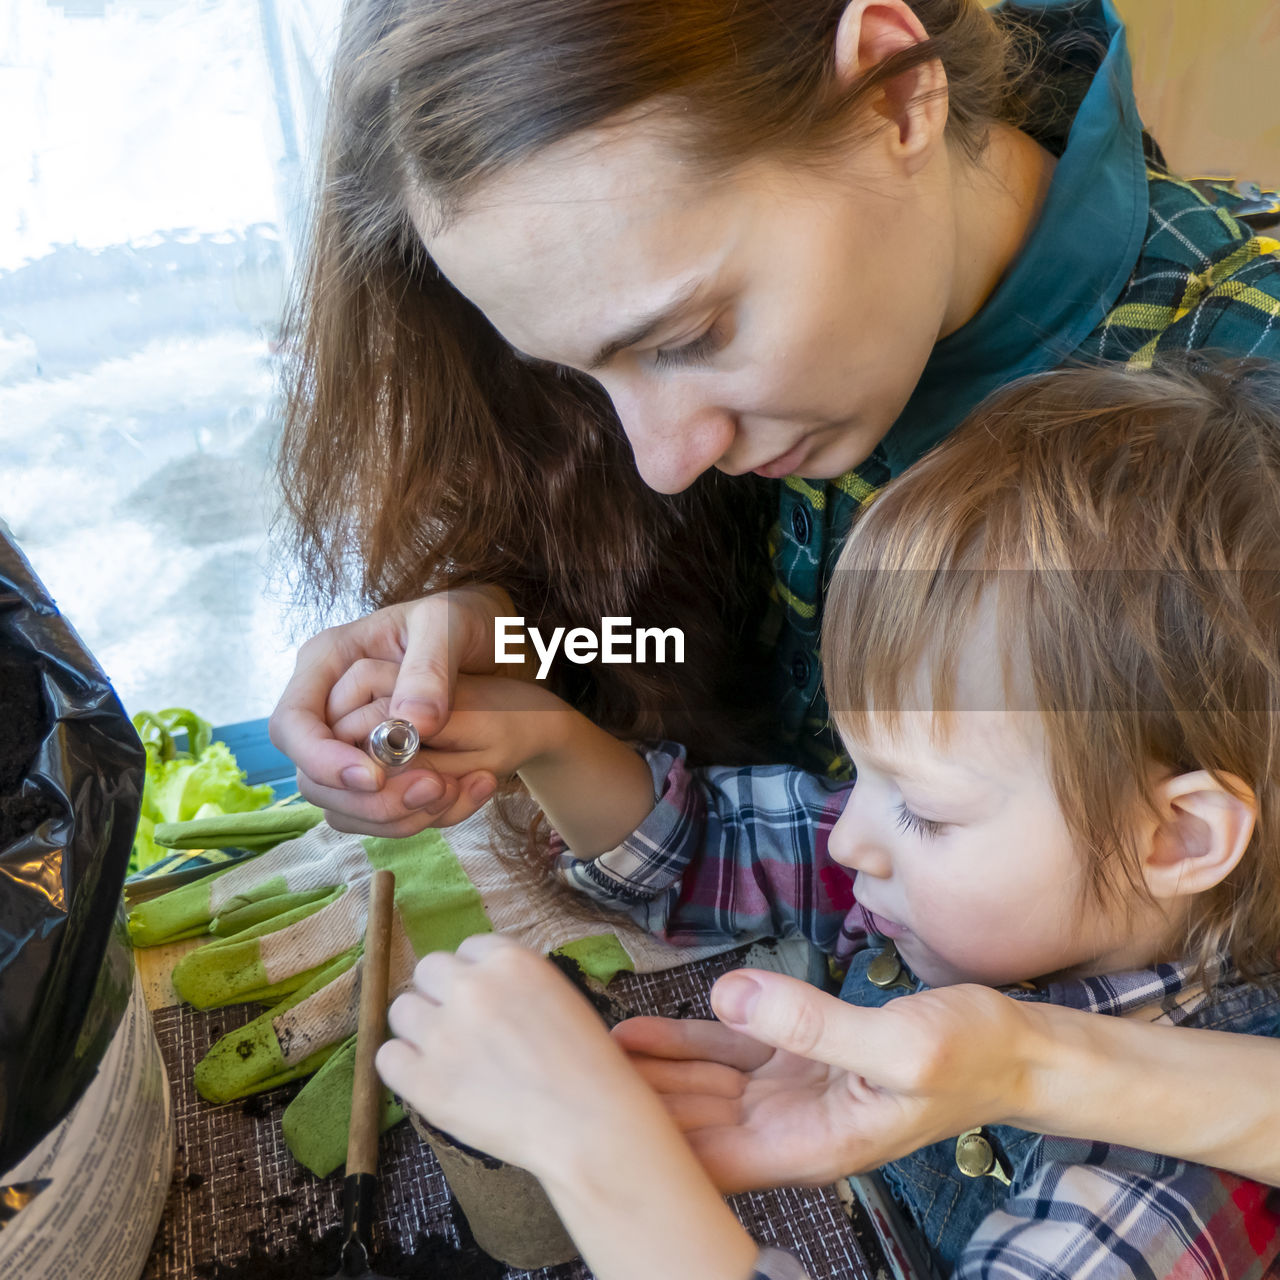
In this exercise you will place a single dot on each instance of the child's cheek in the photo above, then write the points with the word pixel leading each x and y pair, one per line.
pixel 963 937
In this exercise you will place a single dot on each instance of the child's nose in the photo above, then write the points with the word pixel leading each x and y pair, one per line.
pixel 854 843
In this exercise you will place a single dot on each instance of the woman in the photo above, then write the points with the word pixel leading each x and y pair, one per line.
pixel 772 250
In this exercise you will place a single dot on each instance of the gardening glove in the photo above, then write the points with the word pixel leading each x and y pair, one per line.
pixel 258 831
pixel 201 846
pixel 279 881
pixel 290 925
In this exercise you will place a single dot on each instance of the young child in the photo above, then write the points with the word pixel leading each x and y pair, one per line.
pixel 1051 651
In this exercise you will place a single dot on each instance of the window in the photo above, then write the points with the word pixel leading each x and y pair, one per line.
pixel 149 184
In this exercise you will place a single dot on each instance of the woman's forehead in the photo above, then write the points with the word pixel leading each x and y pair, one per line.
pixel 585 237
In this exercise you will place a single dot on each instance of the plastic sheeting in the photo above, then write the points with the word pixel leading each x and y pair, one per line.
pixel 66 970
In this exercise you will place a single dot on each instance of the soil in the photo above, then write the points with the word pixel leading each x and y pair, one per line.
pixel 309 1257
pixel 609 1009
pixel 24 720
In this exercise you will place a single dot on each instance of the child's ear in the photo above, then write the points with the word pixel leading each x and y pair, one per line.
pixel 1203 832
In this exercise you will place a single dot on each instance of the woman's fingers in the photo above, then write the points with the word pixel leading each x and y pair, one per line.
pixel 801 1019
pixel 321 757
pixel 692 1038
pixel 408 654
pixel 356 726
pixel 709 1079
pixel 368 680
pixel 405 793
pixel 401 661
pixel 927 1046
pixel 399 809
pixel 299 725
pixel 465 795
pixel 428 672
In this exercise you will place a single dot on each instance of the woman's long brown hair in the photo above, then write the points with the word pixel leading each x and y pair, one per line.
pixel 418 452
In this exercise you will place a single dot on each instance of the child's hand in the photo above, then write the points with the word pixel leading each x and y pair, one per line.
pixel 496 726
pixel 495 1047
pixel 593 788
pixel 806 1088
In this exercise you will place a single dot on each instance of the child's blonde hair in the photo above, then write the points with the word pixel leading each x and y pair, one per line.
pixel 1130 525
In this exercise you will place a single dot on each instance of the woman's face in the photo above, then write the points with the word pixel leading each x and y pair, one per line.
pixel 774 320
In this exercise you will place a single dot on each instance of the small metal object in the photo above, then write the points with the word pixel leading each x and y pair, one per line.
pixel 976 1157
pixel 394 743
pixel 887 971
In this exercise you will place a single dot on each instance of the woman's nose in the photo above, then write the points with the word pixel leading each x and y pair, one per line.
pixel 674 441
pixel 853 842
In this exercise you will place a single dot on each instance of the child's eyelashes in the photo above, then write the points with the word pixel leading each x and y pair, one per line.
pixel 917 825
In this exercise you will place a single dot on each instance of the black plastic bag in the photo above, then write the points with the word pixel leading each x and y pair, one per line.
pixel 71 775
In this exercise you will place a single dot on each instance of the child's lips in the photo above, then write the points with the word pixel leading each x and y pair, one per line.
pixel 882 925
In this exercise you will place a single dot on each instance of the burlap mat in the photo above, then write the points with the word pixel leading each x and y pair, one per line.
pixel 236 1186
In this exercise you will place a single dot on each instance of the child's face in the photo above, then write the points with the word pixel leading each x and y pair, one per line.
pixel 962 852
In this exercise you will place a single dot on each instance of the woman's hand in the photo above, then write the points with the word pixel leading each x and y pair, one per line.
pixel 798 1086
pixel 795 1086
pixel 401 661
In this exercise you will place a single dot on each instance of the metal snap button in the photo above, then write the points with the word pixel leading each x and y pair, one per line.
pixel 887 970
pixel 976 1157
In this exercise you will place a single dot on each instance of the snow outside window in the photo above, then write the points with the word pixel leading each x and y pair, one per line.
pixel 150 187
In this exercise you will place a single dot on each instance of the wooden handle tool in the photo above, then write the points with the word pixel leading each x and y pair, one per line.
pixel 361 1186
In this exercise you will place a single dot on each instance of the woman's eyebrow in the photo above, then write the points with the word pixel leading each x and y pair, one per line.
pixel 643 327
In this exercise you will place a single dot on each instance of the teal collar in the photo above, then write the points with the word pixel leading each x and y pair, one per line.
pixel 1076 262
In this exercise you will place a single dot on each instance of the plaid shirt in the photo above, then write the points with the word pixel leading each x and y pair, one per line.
pixel 739 853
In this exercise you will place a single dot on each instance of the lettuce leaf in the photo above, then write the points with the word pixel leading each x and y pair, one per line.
pixel 202 781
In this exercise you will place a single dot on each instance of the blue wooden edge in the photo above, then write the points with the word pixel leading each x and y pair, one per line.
pixel 262 762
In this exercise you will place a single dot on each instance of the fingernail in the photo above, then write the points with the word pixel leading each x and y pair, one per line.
pixel 734 999
pixel 482 790
pixel 358 779
pixel 419 710
pixel 423 793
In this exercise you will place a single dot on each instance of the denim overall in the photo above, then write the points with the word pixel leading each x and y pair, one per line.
pixel 947 1204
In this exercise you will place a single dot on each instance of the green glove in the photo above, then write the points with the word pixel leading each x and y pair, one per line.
pixel 289 926
pixel 292 925
pixel 260 830
pixel 189 911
